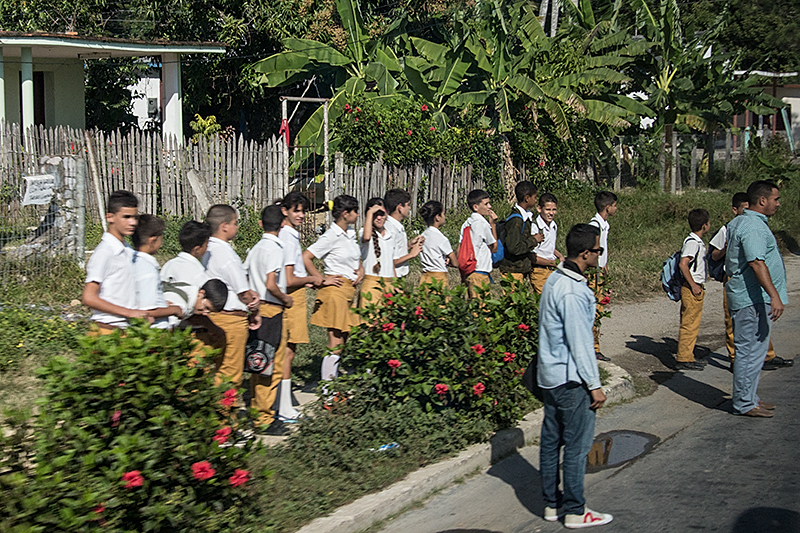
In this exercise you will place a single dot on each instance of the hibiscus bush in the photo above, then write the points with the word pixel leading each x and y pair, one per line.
pixel 434 347
pixel 132 436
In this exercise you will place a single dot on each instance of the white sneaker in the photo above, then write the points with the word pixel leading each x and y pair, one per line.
pixel 588 519
pixel 550 514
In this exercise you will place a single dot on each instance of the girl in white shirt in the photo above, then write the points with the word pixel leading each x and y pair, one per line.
pixel 437 252
pixel 377 252
pixel 341 257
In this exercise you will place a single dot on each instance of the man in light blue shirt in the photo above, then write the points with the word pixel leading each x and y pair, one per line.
pixel 568 375
pixel 756 294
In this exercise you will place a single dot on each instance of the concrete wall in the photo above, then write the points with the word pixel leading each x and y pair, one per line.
pixel 791 95
pixel 64 91
pixel 147 87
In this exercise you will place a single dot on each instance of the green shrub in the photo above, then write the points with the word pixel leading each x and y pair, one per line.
pixel 128 439
pixel 26 333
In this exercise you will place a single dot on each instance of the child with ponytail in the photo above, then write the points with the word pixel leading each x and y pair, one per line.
pixel 377 249
pixel 437 252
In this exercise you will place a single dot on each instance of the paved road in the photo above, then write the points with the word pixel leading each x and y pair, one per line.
pixel 710 471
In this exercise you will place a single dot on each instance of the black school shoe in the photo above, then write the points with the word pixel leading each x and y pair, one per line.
pixel 600 357
pixel 777 362
pixel 275 429
pixel 692 365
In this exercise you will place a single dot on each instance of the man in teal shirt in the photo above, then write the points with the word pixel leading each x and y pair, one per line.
pixel 756 294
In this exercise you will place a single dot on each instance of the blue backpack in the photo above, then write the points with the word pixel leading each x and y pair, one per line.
pixel 672 277
pixel 500 253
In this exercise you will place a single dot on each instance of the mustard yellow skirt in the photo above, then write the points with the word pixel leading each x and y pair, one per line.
pixel 429 277
pixel 333 307
pixel 371 286
pixel 295 319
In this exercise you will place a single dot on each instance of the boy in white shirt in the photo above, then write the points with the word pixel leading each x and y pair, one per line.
pixel 110 287
pixel 397 203
pixel 484 239
pixel 606 204
pixel 147 240
pixel 693 268
pixel 265 267
pixel 187 266
pixel 547 257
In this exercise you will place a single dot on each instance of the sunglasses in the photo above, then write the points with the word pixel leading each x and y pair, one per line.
pixel 596 250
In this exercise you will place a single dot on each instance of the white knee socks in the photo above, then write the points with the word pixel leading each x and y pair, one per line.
pixel 330 367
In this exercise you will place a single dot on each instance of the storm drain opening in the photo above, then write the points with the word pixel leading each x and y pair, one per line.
pixel 615 448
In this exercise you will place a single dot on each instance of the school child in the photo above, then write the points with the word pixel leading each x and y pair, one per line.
pixel 520 239
pixel 295 319
pixel 606 204
pixel 377 249
pixel 484 239
pixel 693 268
pixel 437 252
pixel 187 267
pixel 266 271
pixel 222 262
pixel 547 257
pixel 341 258
pixel 195 302
pixel 147 240
pixel 397 203
pixel 110 287
pixel 719 245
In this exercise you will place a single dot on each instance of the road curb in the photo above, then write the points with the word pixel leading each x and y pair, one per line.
pixel 372 508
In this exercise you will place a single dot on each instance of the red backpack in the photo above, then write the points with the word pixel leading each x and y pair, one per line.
pixel 466 254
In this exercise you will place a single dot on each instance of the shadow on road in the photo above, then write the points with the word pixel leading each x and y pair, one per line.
pixel 524 478
pixel 693 390
pixel 767 520
pixel 663 350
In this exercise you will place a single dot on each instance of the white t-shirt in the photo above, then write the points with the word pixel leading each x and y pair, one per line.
pixel 111 265
pixel 482 238
pixel 184 268
pixel 602 223
pixel 293 252
pixel 182 294
pixel 149 293
pixel 400 244
pixel 694 247
pixel 339 252
pixel 435 250
pixel 265 257
pixel 547 248
pixel 368 259
pixel 720 240
pixel 221 262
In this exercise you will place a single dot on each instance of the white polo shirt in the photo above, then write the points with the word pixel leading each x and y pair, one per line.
pixel 111 265
pixel 368 258
pixel 547 248
pixel 602 223
pixel 293 252
pixel 186 268
pixel 149 293
pixel 339 252
pixel 694 247
pixel 482 238
pixel 400 244
pixel 184 295
pixel 222 262
pixel 720 240
pixel 266 257
pixel 435 250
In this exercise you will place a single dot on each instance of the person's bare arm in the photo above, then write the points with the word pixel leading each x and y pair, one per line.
pixel 452 260
pixel 697 290
pixel 160 312
pixel 91 298
pixel 326 280
pixel 541 261
pixel 761 271
pixel 414 251
pixel 493 225
pixel 274 290
pixel 294 282
pixel 716 254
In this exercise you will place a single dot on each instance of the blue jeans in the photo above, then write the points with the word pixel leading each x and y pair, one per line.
pixel 568 421
pixel 751 330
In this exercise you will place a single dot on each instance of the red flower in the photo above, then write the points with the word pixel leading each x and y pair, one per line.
pixel 508 357
pixel 478 389
pixel 132 479
pixel 432 128
pixel 478 349
pixel 409 133
pixel 229 398
pixel 122 384
pixel 605 301
pixel 115 418
pixel 424 107
pixel 239 477
pixel 356 119
pixel 221 435
pixel 418 311
pixel 347 107
pixel 403 326
pixel 523 327
pixel 394 363
pixel 441 389
pixel 389 326
pixel 388 297
pixel 203 471
pixel 99 509
pixel 541 163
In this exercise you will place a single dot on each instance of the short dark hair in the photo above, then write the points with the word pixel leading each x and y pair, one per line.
pixel 740 198
pixel 193 234
pixel 219 214
pixel 119 199
pixel 375 201
pixel 148 226
pixel 580 238
pixel 523 189
pixel 698 219
pixel 430 210
pixel 217 293
pixel 475 197
pixel 395 197
pixel 271 218
pixel 759 189
pixel 294 199
pixel 547 197
pixel 342 203
pixel 604 199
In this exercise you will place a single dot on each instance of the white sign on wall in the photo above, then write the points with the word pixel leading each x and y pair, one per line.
pixel 39 189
